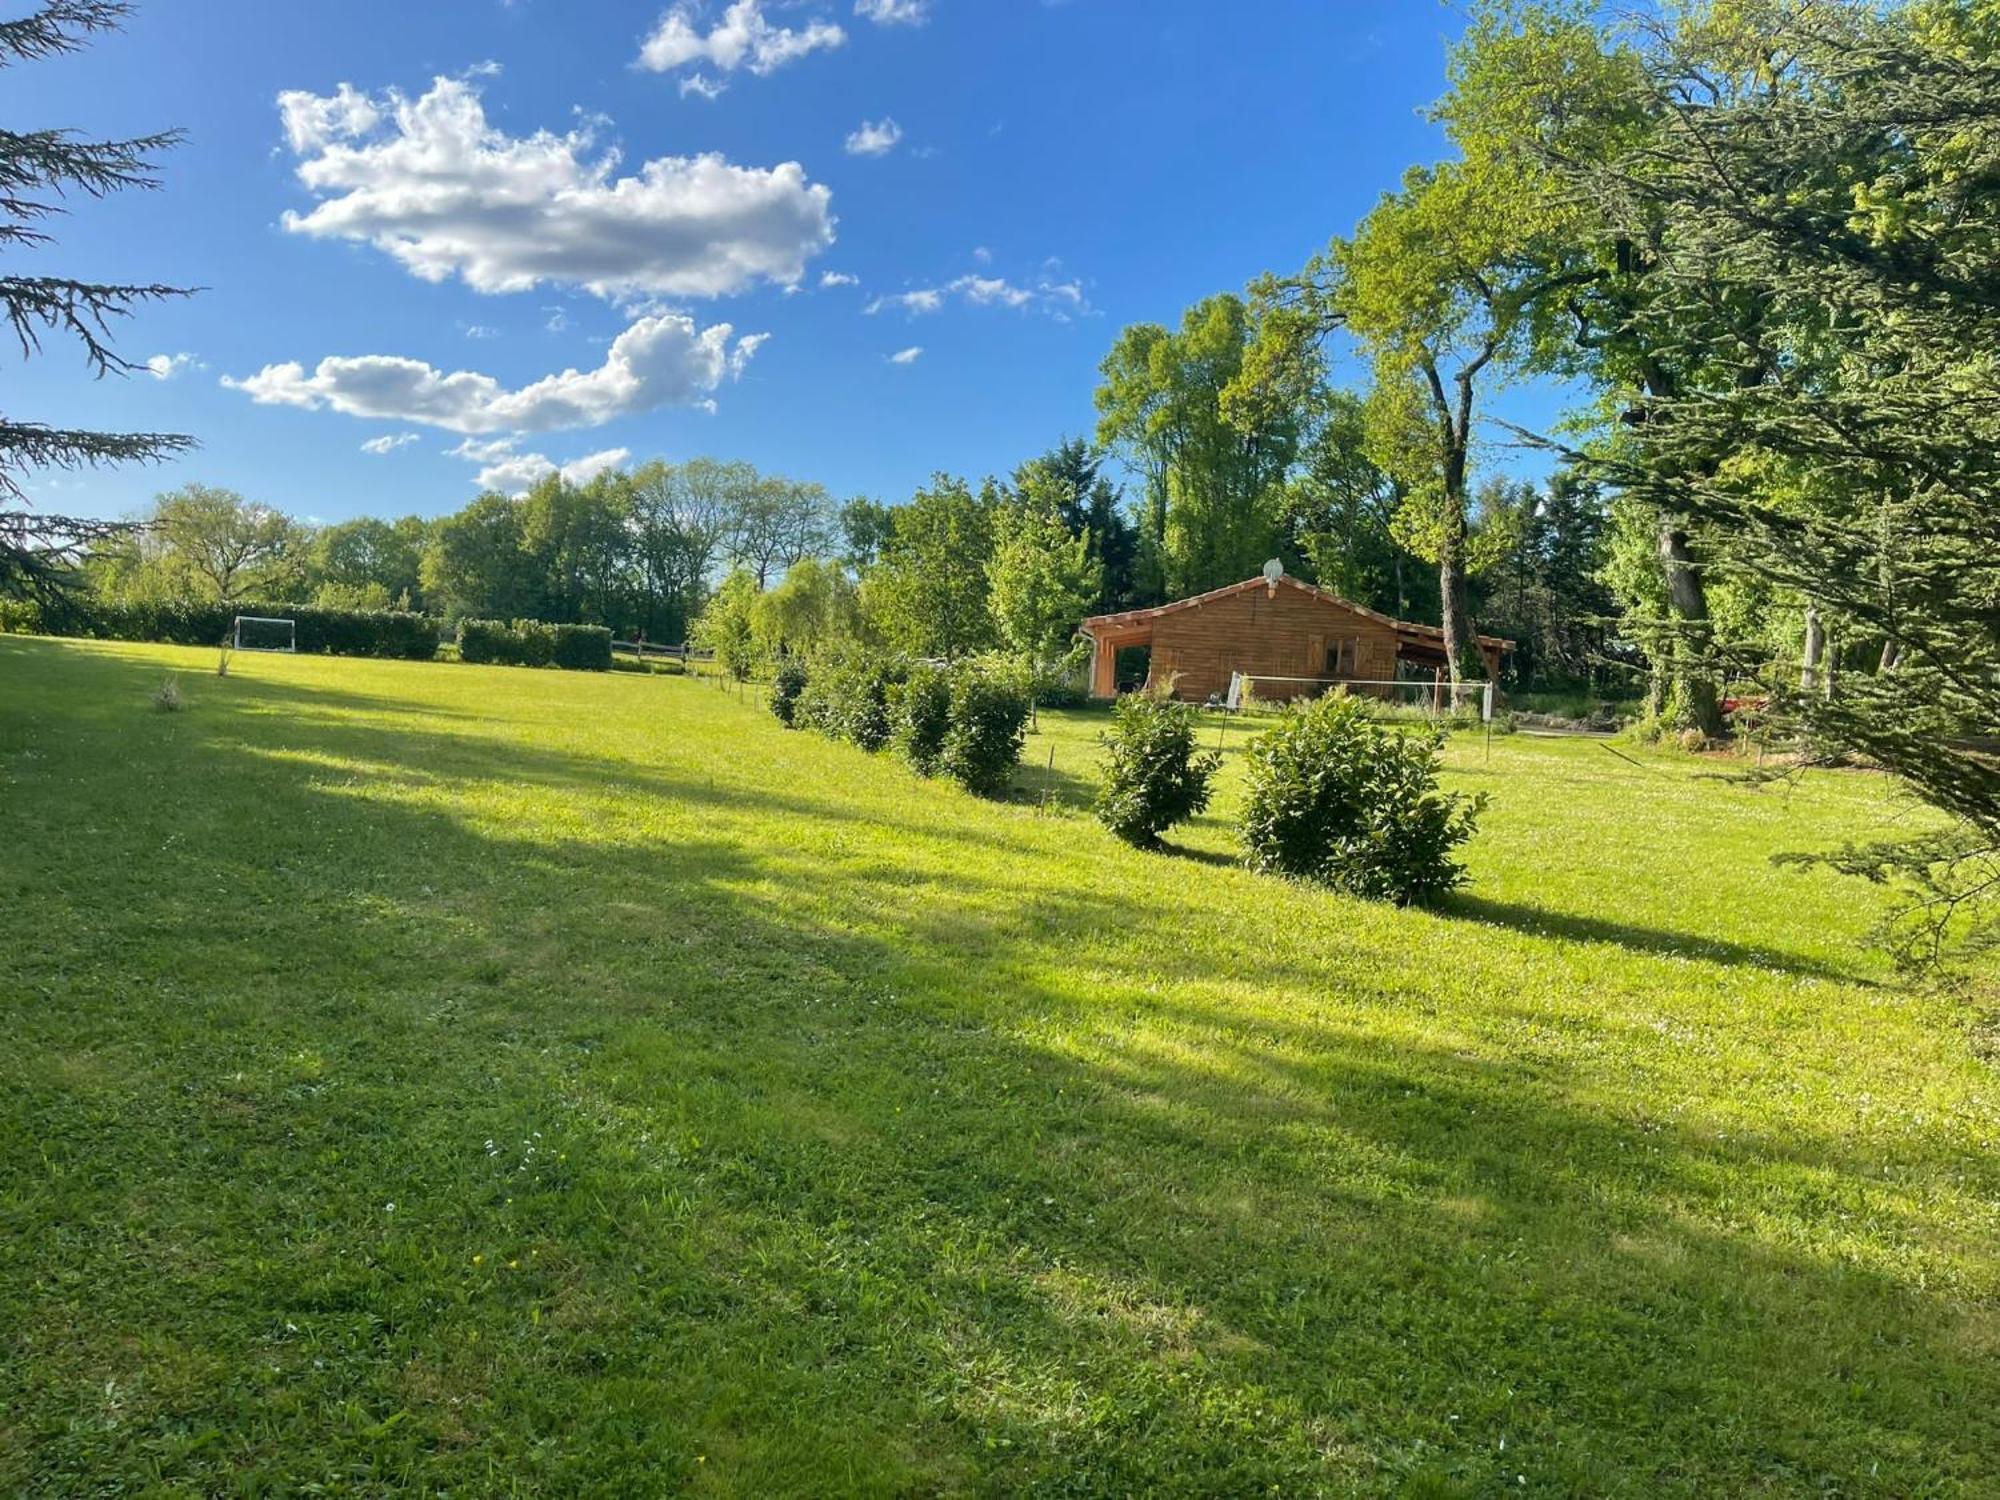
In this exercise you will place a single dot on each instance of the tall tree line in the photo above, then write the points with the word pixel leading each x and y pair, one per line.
pixel 638 550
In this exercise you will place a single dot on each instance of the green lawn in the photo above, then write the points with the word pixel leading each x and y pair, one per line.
pixel 426 1078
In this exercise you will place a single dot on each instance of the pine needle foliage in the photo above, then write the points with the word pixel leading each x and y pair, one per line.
pixel 39 171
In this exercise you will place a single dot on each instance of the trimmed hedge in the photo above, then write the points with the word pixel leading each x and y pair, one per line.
pixel 533 643
pixel 200 622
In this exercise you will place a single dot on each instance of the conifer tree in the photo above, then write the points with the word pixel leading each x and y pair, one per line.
pixel 39 169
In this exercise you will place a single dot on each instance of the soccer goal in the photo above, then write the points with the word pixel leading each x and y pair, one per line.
pixel 1398 697
pixel 261 633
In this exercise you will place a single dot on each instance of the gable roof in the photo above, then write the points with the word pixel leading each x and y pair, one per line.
pixel 1325 596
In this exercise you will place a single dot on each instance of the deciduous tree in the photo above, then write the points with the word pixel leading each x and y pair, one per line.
pixel 1213 487
pixel 928 593
pixel 1041 580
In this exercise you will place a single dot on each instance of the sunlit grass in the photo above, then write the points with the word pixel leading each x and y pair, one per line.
pixel 429 1077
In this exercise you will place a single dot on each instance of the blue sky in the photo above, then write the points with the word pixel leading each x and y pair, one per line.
pixel 516 229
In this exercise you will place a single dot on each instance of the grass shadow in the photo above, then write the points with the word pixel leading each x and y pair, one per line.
pixel 1574 927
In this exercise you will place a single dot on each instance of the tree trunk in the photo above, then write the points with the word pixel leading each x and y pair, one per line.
pixel 1691 687
pixel 1815 650
pixel 1461 647
pixel 1461 644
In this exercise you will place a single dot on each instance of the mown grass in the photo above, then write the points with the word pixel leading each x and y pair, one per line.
pixel 428 1078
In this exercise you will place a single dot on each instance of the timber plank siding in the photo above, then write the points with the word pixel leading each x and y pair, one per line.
pixel 1266 627
pixel 1287 633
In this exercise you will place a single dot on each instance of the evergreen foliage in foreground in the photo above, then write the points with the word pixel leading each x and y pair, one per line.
pixel 38 168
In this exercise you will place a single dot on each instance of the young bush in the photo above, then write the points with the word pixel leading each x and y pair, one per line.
pixel 847 698
pixel 787 683
pixel 1334 796
pixel 923 716
pixel 985 731
pixel 1153 776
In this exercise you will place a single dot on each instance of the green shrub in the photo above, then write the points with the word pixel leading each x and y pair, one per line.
pixel 847 698
pixel 1152 776
pixel 20 617
pixel 923 716
pixel 1334 796
pixel 583 648
pixel 484 641
pixel 987 727
pixel 787 683
pixel 535 643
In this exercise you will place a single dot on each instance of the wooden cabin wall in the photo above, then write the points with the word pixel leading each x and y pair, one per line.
pixel 1283 635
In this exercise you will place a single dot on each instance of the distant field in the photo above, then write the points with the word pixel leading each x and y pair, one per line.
pixel 425 1078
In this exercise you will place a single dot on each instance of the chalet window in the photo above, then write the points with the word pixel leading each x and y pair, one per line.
pixel 1341 656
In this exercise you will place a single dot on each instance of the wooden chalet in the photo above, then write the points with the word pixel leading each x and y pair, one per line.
pixel 1270 627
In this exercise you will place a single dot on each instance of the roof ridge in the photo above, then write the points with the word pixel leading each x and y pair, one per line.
pixel 1154 611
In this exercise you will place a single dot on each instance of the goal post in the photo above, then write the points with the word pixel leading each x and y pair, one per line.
pixel 1431 698
pixel 265 633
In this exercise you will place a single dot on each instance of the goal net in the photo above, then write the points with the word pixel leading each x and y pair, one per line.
pixel 1401 697
pixel 260 633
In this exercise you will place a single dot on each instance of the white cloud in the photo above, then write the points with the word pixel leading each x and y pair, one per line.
pixel 390 442
pixel 907 356
pixel 313 122
pixel 1058 298
pixel 703 86
pixel 511 473
pixel 985 291
pixel 167 366
pixel 874 138
pixel 478 331
pixel 741 39
pixel 893 12
pixel 838 278
pixel 923 300
pixel 514 474
pixel 432 183
pixel 476 452
pixel 658 361
pixel 583 470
